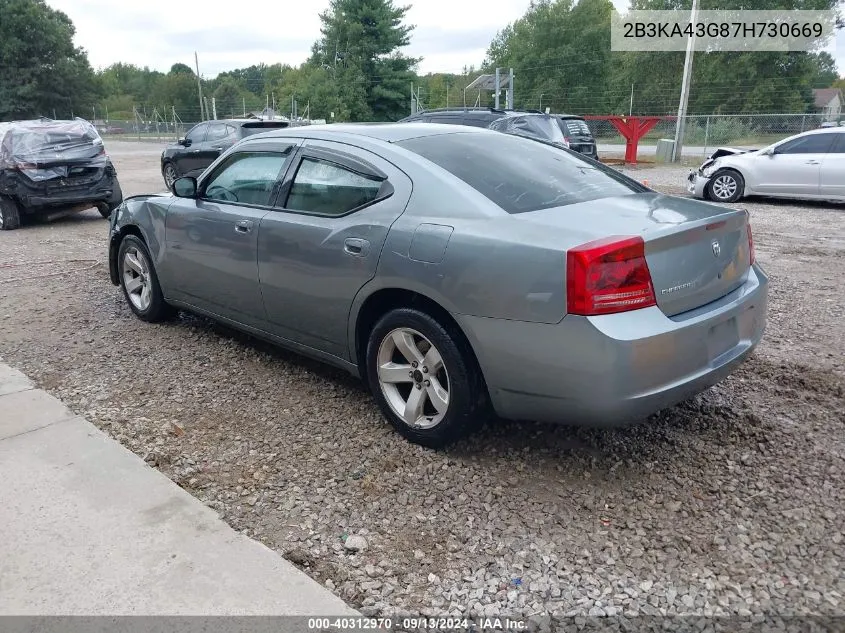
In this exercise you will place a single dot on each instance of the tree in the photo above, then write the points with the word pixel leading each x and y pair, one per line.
pixel 360 49
pixel 228 98
pixel 559 52
pixel 40 68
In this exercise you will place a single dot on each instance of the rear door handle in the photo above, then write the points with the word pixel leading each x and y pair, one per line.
pixel 356 246
pixel 812 162
pixel 244 226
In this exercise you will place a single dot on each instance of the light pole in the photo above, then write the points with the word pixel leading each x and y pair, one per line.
pixel 680 127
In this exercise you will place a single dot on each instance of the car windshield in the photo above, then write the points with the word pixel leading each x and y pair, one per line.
pixel 519 174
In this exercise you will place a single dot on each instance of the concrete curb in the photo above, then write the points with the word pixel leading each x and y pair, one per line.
pixel 90 529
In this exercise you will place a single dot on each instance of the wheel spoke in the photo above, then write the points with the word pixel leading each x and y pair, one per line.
pixel 133 284
pixel 414 406
pixel 406 345
pixel 433 361
pixel 438 395
pixel 133 263
pixel 394 372
pixel 145 296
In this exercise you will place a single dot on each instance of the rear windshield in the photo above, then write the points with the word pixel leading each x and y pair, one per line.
pixel 520 174
pixel 539 126
pixel 573 127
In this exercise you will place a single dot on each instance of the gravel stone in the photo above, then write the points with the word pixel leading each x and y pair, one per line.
pixel 355 543
pixel 730 503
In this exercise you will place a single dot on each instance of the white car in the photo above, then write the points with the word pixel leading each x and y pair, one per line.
pixel 809 166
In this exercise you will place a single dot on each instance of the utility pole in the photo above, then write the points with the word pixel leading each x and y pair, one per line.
pixel 680 128
pixel 498 87
pixel 244 102
pixel 199 85
pixel 631 109
pixel 509 93
pixel 214 107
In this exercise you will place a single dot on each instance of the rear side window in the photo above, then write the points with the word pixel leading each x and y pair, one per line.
pixel 838 145
pixel 218 131
pixel 326 188
pixel 519 174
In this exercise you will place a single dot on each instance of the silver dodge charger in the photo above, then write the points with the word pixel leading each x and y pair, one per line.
pixel 460 272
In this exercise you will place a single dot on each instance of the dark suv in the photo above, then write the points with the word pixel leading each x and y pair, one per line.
pixel 204 142
pixel 566 129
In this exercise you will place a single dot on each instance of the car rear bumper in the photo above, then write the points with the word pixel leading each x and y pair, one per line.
pixel 696 184
pixel 57 193
pixel 619 368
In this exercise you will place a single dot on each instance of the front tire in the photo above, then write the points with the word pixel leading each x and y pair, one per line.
pixel 170 175
pixel 423 378
pixel 139 281
pixel 726 185
pixel 10 215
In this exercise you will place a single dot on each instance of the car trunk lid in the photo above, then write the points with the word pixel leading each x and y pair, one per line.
pixel 696 252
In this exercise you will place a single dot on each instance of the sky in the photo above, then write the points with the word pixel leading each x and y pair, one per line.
pixel 449 34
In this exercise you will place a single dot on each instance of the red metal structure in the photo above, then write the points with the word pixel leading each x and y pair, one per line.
pixel 632 128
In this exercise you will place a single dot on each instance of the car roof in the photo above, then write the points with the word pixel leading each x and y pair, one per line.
pixel 388 132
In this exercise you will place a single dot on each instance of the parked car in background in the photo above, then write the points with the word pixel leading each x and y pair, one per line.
pixel 808 166
pixel 204 142
pixel 577 134
pixel 454 269
pixel 50 167
pixel 563 129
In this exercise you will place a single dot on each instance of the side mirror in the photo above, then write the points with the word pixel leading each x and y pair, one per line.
pixel 770 152
pixel 184 142
pixel 185 187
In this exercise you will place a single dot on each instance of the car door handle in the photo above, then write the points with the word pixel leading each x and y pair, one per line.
pixel 244 226
pixel 195 151
pixel 812 162
pixel 217 149
pixel 356 246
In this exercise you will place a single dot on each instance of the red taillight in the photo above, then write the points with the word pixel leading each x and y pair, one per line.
pixel 752 257
pixel 607 276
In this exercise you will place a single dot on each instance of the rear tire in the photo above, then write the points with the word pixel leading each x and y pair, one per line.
pixel 726 185
pixel 139 281
pixel 10 215
pixel 424 378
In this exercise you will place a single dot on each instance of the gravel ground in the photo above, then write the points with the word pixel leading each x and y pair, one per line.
pixel 728 504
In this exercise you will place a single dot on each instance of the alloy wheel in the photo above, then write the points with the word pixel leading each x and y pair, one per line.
pixel 724 187
pixel 413 378
pixel 136 278
pixel 169 175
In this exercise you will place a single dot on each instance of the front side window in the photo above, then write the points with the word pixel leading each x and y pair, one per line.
pixel 197 134
pixel 247 178
pixel 810 144
pixel 521 175
pixel 327 188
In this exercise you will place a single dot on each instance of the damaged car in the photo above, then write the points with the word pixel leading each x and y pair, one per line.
pixel 809 166
pixel 50 168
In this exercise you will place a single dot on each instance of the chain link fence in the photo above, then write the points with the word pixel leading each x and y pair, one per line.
pixel 704 133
